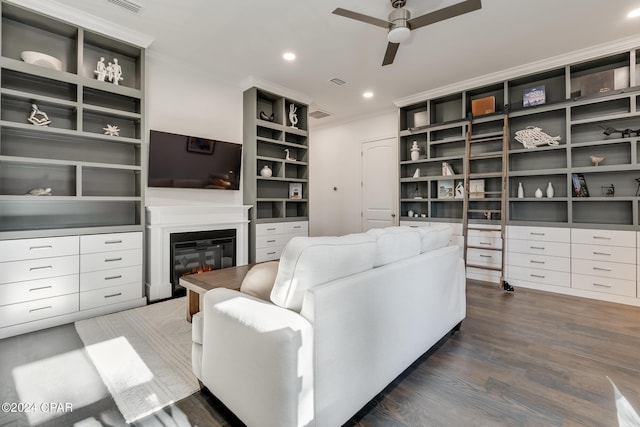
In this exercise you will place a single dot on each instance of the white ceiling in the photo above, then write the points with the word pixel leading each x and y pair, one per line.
pixel 241 39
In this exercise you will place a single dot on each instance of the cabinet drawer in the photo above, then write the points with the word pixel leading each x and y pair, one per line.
pixel 604 284
pixel 545 234
pixel 547 277
pixel 271 240
pixel 15 250
pixel 604 253
pixel 541 262
pixel 604 269
pixel 107 296
pixel 109 278
pixel 484 241
pixel 604 237
pixel 297 227
pixel 36 310
pixel 268 254
pixel 110 242
pixel 110 260
pixel 484 233
pixel 16 292
pixel 539 247
pixel 269 228
pixel 18 271
pixel 485 258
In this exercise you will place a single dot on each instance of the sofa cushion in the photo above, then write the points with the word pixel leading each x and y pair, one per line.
pixel 197 327
pixel 310 261
pixel 260 279
pixel 394 244
pixel 434 237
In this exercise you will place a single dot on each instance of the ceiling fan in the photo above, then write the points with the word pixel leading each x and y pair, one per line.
pixel 400 22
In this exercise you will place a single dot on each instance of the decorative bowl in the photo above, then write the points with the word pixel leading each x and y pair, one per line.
pixel 41 59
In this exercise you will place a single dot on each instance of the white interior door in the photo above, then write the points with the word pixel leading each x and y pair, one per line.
pixel 379 183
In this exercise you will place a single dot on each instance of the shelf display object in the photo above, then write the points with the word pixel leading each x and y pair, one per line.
pixel 275 171
pixel 70 146
pixel 574 135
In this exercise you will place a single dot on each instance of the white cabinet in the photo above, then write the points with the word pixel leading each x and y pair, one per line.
pixel 604 261
pixel 484 248
pixel 538 257
pixel 271 238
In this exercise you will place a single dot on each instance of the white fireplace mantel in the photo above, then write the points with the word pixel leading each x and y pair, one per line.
pixel 162 221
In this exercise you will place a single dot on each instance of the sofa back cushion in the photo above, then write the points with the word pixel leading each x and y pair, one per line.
pixel 394 244
pixel 434 237
pixel 310 261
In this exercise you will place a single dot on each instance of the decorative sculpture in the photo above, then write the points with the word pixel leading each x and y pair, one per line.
pixel 293 117
pixel 111 130
pixel 101 70
pixel 116 72
pixel 111 72
pixel 37 117
pixel 596 160
pixel 415 151
pixel 39 191
pixel 263 116
pixel 287 156
pixel 531 137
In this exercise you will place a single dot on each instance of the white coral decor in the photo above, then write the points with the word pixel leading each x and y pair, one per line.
pixel 531 137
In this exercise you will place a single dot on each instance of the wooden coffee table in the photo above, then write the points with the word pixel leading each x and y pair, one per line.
pixel 198 284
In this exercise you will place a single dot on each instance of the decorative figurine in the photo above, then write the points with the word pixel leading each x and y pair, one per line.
pixel 415 151
pixel 101 70
pixel 609 191
pixel 530 137
pixel 111 130
pixel 287 156
pixel 596 160
pixel 263 116
pixel 39 191
pixel 459 191
pixel 37 117
pixel 624 133
pixel 416 174
pixel 116 72
pixel 293 117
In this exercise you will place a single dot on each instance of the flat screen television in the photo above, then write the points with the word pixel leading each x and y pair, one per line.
pixel 181 161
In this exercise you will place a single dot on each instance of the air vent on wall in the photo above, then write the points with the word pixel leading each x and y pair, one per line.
pixel 337 81
pixel 319 114
pixel 129 5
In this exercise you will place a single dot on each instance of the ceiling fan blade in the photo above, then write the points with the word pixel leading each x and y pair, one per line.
pixel 390 54
pixel 444 13
pixel 360 17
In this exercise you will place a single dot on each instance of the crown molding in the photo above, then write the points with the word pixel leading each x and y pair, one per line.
pixel 252 81
pixel 82 19
pixel 533 67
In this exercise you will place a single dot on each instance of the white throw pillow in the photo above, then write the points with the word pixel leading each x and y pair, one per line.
pixel 310 261
pixel 435 237
pixel 260 279
pixel 395 243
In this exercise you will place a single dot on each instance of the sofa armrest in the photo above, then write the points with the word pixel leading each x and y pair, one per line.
pixel 257 359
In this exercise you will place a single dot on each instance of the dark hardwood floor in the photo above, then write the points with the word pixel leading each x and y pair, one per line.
pixel 527 358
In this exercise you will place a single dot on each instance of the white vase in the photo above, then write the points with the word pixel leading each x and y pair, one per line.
pixel 415 151
pixel 549 191
pixel 520 191
pixel 266 171
pixel 538 194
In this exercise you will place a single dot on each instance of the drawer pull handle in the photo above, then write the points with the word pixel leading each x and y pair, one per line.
pixel 540 276
pixel 113 295
pixel 271 241
pixel 536 262
pixel 40 288
pixel 485 243
pixel 537 247
pixel 601 253
pixel 485 256
pixel 602 237
pixel 271 229
pixel 44 267
pixel 113 259
pixel 601 268
pixel 119 276
pixel 33 248
pixel 536 234
pixel 271 253
pixel 297 226
pixel 601 285
pixel 41 308
pixel 112 242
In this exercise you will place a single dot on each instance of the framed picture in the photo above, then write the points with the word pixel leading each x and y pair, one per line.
pixel 476 189
pixel 200 145
pixel 445 189
pixel 579 185
pixel 295 190
pixel 533 96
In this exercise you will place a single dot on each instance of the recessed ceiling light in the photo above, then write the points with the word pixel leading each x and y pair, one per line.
pixel 289 56
pixel 368 94
pixel 634 13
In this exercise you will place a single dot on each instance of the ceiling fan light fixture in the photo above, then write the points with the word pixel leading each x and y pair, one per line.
pixel 398 34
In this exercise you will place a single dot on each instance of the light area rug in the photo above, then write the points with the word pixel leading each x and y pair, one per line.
pixel 143 356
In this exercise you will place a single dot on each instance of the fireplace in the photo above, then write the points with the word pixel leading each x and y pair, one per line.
pixel 199 251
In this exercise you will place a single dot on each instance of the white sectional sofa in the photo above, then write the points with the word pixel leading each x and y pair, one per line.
pixel 346 315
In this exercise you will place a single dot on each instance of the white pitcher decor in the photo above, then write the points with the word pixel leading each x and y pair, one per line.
pixel 549 190
pixel 520 191
pixel 415 151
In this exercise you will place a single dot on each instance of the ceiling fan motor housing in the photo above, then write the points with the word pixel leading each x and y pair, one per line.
pixel 399 29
